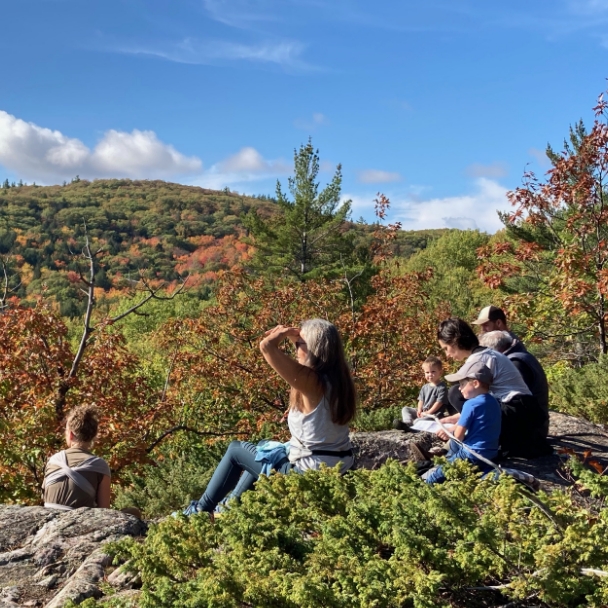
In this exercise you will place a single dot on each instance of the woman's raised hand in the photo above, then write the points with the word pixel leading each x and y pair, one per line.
pixel 280 332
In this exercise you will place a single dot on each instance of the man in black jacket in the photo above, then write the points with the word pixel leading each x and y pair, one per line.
pixel 527 364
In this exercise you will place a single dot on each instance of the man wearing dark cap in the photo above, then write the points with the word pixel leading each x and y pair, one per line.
pixel 492 318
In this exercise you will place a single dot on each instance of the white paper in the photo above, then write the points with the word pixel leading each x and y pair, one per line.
pixel 428 425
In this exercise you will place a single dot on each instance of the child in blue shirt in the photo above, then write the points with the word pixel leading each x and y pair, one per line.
pixel 478 426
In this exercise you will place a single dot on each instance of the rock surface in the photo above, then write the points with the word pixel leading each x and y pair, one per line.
pixel 48 557
pixel 566 433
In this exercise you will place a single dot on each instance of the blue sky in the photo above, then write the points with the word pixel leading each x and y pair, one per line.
pixel 441 105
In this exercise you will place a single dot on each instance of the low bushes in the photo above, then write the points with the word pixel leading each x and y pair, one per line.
pixel 378 538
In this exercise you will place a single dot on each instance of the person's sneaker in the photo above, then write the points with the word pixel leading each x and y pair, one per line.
pixel 418 453
pixel 437 450
pixel 400 425
pixel 193 508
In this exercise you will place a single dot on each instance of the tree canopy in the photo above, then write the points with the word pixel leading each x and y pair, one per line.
pixel 309 237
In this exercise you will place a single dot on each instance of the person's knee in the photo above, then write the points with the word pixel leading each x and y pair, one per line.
pixel 408 415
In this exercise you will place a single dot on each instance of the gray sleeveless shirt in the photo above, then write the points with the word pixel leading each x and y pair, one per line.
pixel 317 431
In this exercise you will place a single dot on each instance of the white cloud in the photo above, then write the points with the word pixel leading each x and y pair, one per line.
pixel 285 53
pixel 469 211
pixel 38 153
pixel 249 160
pixel 315 122
pixel 326 166
pixel 474 211
pixel 247 165
pixel 493 170
pixel 375 176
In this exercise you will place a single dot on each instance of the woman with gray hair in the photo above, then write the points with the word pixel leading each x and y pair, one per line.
pixel 500 341
pixel 526 364
pixel 322 403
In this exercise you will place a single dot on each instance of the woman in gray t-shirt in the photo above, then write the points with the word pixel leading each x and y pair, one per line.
pixel 524 422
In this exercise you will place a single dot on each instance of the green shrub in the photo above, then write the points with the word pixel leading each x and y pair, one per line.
pixel 376 538
pixel 171 482
pixel 376 420
pixel 582 392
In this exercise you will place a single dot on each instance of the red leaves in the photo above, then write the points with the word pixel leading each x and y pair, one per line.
pixel 557 237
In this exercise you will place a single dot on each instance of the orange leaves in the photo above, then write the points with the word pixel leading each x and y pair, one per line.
pixel 213 254
pixel 556 243
pixel 35 359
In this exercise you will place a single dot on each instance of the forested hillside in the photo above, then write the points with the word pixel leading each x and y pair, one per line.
pixel 160 229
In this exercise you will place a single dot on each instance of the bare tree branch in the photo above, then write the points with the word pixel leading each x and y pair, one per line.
pixel 5 283
pixel 152 295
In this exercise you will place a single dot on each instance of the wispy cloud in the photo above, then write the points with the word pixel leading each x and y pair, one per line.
pixel 565 17
pixel 493 170
pixel 44 155
pixel 243 14
pixel 540 156
pixel 285 54
pixel 588 7
pixel 375 176
pixel 311 124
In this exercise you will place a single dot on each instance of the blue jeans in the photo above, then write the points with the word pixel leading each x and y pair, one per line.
pixel 456 452
pixel 237 472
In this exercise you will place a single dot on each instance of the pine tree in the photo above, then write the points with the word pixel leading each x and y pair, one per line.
pixel 308 236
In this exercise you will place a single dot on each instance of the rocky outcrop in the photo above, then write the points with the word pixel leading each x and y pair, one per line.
pixel 566 434
pixel 48 557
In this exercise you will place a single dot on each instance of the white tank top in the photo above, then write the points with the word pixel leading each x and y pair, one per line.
pixel 317 431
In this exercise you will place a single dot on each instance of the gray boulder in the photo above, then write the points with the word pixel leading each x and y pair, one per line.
pixel 48 557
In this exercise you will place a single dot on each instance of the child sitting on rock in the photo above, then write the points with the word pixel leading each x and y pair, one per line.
pixel 433 397
pixel 75 477
pixel 478 426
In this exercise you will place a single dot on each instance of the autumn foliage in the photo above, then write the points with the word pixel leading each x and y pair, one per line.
pixel 35 360
pixel 217 383
pixel 555 255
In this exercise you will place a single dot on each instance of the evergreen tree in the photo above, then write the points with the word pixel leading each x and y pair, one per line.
pixel 308 237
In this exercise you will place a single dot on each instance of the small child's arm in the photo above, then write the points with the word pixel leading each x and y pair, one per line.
pixel 459 432
pixel 420 406
pixel 450 422
pixel 438 405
